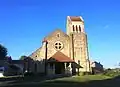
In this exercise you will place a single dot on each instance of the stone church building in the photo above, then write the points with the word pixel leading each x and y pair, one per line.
pixel 61 52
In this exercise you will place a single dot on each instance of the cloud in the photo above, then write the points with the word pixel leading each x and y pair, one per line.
pixel 106 26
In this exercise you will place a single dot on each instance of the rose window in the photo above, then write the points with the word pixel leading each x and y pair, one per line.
pixel 58 45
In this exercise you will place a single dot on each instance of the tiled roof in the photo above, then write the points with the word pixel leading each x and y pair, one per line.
pixel 60 57
pixel 75 18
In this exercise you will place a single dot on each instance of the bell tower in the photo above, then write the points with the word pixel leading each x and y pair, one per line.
pixel 78 42
pixel 75 24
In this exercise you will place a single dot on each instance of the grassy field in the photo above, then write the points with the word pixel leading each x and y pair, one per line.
pixel 82 78
pixel 75 81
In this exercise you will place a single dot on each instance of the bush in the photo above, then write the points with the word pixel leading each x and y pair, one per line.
pixel 29 74
pixel 111 73
pixel 81 73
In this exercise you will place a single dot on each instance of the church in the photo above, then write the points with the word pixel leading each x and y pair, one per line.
pixel 63 53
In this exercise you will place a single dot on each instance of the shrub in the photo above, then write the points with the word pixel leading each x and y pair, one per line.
pixel 81 73
pixel 29 74
pixel 111 73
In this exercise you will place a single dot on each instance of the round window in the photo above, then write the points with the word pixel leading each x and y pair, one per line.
pixel 58 45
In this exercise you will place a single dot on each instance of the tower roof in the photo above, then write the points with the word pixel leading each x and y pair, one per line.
pixel 75 18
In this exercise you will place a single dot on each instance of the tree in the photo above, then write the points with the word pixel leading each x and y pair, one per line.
pixel 23 57
pixel 3 52
pixel 119 64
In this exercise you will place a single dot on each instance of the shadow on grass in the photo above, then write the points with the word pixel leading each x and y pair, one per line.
pixel 114 82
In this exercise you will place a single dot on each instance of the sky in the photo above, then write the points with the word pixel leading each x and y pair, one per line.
pixel 24 24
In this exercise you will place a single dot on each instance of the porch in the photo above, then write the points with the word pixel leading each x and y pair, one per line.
pixel 59 64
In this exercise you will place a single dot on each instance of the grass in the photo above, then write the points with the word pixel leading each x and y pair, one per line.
pixel 75 81
pixel 11 76
pixel 83 78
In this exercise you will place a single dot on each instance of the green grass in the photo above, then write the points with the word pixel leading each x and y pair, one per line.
pixel 83 78
pixel 75 81
pixel 82 81
pixel 11 76
pixel 112 73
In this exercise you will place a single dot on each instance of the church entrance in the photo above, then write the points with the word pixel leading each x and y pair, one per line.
pixel 61 63
pixel 59 68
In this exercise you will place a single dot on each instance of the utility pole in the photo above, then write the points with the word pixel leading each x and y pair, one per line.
pixel 78 67
pixel 73 65
pixel 46 43
pixel 73 46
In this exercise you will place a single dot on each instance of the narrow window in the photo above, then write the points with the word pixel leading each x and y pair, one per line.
pixel 58 35
pixel 76 28
pixel 79 28
pixel 73 28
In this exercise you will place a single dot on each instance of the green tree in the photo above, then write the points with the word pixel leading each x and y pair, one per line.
pixel 23 57
pixel 3 52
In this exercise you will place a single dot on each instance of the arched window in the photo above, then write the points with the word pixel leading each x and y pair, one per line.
pixel 58 35
pixel 79 28
pixel 73 28
pixel 76 28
